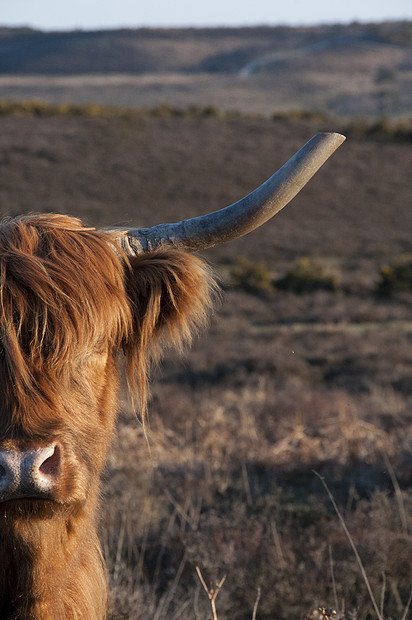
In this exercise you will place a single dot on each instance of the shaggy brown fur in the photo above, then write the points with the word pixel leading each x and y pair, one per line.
pixel 69 302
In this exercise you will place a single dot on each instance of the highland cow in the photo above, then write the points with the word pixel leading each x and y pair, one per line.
pixel 71 300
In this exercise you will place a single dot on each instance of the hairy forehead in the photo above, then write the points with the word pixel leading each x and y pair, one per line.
pixel 62 295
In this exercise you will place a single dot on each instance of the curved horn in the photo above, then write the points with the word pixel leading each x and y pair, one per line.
pixel 242 217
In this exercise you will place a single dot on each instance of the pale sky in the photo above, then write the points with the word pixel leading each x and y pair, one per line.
pixel 95 14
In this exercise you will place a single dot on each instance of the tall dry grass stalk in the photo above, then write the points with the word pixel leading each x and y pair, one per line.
pixel 378 610
pixel 352 544
pixel 211 591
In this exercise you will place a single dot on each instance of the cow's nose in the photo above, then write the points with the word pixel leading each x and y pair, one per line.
pixel 31 473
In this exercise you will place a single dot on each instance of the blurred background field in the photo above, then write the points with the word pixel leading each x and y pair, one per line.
pixel 348 70
pixel 306 365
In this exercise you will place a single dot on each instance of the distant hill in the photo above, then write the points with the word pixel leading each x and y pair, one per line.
pixel 210 50
pixel 351 69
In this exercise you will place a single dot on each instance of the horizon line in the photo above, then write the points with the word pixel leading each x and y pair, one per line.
pixel 206 26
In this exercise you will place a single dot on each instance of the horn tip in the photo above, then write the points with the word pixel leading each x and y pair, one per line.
pixel 336 137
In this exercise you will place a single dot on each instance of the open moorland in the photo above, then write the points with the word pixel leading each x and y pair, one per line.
pixel 305 370
pixel 346 70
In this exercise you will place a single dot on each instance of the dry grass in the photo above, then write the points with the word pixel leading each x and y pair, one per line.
pixel 225 492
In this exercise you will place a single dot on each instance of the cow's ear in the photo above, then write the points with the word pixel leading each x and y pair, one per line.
pixel 170 295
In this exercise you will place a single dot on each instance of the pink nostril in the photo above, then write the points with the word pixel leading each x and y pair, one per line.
pixel 51 465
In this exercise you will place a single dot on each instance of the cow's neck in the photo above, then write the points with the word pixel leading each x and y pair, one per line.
pixel 52 567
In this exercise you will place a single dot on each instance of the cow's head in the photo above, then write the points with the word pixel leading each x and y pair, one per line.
pixel 73 298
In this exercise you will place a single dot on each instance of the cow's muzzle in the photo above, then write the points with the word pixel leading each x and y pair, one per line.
pixel 29 474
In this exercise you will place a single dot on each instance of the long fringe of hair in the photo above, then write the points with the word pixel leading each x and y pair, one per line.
pixel 65 290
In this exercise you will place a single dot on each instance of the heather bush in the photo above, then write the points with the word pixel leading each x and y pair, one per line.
pixel 251 276
pixel 43 109
pixel 299 114
pixel 395 277
pixel 382 127
pixel 306 276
